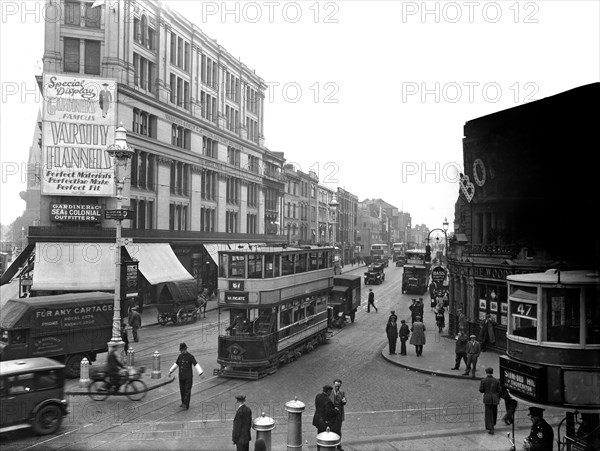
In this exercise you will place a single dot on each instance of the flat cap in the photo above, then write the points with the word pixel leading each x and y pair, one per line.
pixel 536 412
pixel 240 397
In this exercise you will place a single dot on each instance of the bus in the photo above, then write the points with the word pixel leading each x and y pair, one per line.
pixel 276 303
pixel 415 277
pixel 398 254
pixel 380 253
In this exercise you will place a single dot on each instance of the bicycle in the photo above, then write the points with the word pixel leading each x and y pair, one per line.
pixel 102 387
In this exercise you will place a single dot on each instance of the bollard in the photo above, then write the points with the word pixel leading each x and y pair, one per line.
pixel 130 357
pixel 84 372
pixel 156 365
pixel 328 440
pixel 263 426
pixel 294 409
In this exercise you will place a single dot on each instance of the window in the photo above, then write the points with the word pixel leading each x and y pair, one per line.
pixel 561 308
pixel 144 123
pixel 251 221
pixel 179 178
pixel 232 192
pixel 523 317
pixel 592 316
pixel 92 15
pixel 21 383
pixel 178 217
pixel 143 72
pixel 47 379
pixel 173 52
pixel 252 194
pixel 255 266
pixel 142 170
pixel 208 185
pixel 231 222
pixel 143 214
pixel 72 13
pixel 285 315
pixel 237 266
pixel 287 264
pixel 207 219
pixel 208 105
pixel 92 57
pixel 181 137
pixel 209 147
pixel 233 156
pixel 251 100
pixel 253 164
pixel 71 54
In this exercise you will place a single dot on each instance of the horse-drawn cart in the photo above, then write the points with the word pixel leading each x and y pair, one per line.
pixel 178 302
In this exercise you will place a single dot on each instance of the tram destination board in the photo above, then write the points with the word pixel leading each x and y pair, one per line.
pixel 525 379
pixel 118 214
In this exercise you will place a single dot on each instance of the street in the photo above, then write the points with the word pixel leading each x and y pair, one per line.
pixel 384 401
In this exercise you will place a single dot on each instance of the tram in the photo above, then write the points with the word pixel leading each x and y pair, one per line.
pixel 415 277
pixel 553 349
pixel 276 306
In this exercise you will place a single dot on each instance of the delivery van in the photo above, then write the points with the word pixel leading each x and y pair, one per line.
pixel 65 327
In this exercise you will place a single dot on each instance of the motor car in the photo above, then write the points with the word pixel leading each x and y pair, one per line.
pixel 32 395
pixel 375 274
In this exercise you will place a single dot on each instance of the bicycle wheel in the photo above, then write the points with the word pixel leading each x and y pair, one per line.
pixel 136 390
pixel 97 391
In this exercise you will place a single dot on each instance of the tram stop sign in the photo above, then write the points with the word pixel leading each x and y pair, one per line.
pixel 438 275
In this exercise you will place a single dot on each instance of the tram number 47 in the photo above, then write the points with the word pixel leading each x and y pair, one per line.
pixel 524 309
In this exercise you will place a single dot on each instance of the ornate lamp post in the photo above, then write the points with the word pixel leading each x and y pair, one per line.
pixel 121 153
pixel 333 205
pixel 428 247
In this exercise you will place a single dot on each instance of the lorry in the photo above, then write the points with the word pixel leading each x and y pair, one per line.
pixel 345 296
pixel 64 327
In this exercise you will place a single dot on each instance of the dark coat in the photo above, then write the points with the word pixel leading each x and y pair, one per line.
pixel 404 332
pixel 486 334
pixel 473 347
pixel 461 343
pixel 541 437
pixel 242 423
pixel 491 389
pixel 325 413
pixel 391 330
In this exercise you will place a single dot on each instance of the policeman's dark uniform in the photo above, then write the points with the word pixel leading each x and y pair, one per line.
pixel 541 437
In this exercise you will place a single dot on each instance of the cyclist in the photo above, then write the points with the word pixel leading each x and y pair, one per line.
pixel 113 367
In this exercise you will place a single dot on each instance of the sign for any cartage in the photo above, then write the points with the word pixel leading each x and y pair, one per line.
pixel 78 125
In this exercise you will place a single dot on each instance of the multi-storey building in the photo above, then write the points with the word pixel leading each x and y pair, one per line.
pixel 347 221
pixel 296 206
pixel 527 186
pixel 200 172
pixel 368 229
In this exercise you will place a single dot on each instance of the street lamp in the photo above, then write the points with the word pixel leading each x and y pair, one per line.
pixel 121 154
pixel 333 209
pixel 428 247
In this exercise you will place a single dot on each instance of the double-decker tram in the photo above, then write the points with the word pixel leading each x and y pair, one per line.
pixel 415 276
pixel 553 349
pixel 272 306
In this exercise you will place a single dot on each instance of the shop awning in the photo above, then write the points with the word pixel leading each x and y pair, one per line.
pixel 74 267
pixel 91 267
pixel 158 262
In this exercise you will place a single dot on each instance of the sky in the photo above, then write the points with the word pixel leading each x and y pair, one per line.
pixel 371 95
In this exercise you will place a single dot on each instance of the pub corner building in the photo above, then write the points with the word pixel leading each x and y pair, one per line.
pixel 524 260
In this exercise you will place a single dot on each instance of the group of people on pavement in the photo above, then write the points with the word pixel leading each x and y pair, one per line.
pixel 329 410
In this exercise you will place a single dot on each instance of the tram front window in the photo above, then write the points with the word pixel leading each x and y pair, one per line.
pixel 561 308
pixel 523 319
pixel 237 266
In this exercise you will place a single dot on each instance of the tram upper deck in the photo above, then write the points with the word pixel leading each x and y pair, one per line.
pixel 270 275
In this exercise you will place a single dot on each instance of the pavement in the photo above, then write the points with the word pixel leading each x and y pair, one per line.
pixel 437 360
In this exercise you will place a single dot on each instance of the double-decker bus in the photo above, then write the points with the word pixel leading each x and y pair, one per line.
pixel 276 303
pixel 415 277
pixel 380 253
pixel 398 253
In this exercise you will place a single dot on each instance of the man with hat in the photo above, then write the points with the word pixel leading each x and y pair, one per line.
pixel 541 437
pixel 371 302
pixel 393 316
pixel 185 361
pixel 135 321
pixel 490 387
pixel 473 351
pixel 325 413
pixel 242 423
pixel 403 333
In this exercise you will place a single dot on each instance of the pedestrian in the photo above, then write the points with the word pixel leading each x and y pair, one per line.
pixel 338 397
pixel 432 295
pixel 391 329
pixel 403 334
pixel 124 336
pixel 486 333
pixel 185 362
pixel 460 349
pixel 242 423
pixel 325 413
pixel 440 320
pixel 541 437
pixel 491 389
pixel 135 322
pixel 510 404
pixel 473 350
pixel 418 336
pixel 371 301
pixel 413 310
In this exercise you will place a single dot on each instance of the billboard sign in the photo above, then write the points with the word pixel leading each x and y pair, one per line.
pixel 78 124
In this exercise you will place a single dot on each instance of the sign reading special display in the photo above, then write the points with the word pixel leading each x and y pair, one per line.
pixel 78 125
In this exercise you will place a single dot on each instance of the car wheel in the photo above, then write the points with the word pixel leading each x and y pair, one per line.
pixel 47 420
pixel 73 365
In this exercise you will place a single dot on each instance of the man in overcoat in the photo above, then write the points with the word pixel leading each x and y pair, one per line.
pixel 242 424
pixel 391 329
pixel 325 413
pixel 490 387
pixel 418 336
pixel 460 349
pixel 541 437
pixel 338 397
pixel 403 334
pixel 473 351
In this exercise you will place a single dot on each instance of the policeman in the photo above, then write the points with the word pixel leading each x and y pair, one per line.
pixel 542 436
